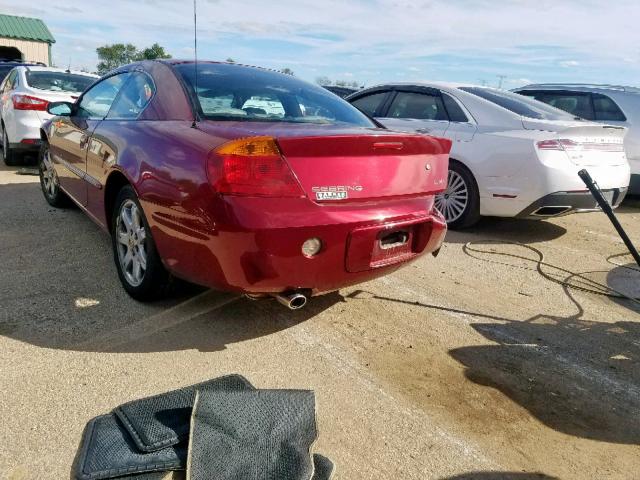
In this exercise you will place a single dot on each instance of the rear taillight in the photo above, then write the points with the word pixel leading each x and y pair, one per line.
pixel 560 144
pixel 27 102
pixel 568 145
pixel 252 166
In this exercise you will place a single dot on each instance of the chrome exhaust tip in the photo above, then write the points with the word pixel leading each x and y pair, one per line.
pixel 292 300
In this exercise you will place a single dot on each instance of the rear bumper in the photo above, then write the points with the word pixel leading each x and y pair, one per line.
pixel 26 147
pixel 267 258
pixel 564 203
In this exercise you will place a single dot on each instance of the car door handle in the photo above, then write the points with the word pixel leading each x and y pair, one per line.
pixel 423 130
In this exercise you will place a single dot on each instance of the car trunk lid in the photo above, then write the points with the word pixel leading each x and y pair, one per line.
pixel 586 143
pixel 360 167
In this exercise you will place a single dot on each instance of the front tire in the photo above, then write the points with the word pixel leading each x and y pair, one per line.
pixel 8 154
pixel 49 181
pixel 139 266
pixel 460 202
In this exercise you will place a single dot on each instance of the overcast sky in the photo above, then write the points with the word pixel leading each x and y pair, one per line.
pixel 370 41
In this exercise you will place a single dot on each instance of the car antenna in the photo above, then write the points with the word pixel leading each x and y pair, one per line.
pixel 195 63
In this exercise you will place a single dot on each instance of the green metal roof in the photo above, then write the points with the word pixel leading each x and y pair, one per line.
pixel 25 28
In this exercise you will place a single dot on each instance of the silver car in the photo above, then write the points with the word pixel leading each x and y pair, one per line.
pixel 614 105
pixel 24 95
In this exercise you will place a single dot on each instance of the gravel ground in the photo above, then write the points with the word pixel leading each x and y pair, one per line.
pixel 472 365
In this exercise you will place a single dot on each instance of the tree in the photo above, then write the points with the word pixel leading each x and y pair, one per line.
pixel 287 71
pixel 230 60
pixel 151 53
pixel 322 81
pixel 113 56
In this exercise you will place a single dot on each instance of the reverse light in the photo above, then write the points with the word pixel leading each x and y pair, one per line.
pixel 252 166
pixel 27 102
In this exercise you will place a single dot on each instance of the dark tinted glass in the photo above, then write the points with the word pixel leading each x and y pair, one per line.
pixel 58 81
pixel 4 71
pixel 133 98
pixel 370 103
pixel 575 103
pixel 518 104
pixel 234 92
pixel 606 109
pixel 417 105
pixel 456 114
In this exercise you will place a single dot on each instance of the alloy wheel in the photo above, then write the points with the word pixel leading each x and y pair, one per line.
pixel 454 200
pixel 50 179
pixel 131 243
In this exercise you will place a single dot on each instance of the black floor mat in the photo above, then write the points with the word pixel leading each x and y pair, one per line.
pixel 108 451
pixel 163 420
pixel 252 435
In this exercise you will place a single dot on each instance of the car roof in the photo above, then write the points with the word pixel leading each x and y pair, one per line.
pixel 38 68
pixel 585 87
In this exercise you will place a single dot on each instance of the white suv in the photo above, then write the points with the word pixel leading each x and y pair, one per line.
pixel 24 95
pixel 614 105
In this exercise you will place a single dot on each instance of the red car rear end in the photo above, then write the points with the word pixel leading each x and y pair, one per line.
pixel 251 181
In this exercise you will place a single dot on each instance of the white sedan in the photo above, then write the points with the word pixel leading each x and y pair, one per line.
pixel 512 156
pixel 24 95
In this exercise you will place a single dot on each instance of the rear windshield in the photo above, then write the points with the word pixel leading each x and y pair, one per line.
pixel 520 105
pixel 234 92
pixel 58 81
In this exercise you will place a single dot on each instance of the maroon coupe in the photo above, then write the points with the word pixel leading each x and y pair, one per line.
pixel 240 178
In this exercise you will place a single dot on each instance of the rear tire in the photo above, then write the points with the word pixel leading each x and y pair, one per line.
pixel 139 266
pixel 8 154
pixel 49 181
pixel 460 202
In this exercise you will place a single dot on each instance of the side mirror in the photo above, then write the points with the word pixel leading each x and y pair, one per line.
pixel 60 109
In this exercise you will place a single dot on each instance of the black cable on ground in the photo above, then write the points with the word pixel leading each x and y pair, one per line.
pixel 592 286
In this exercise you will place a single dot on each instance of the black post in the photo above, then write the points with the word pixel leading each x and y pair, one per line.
pixel 606 208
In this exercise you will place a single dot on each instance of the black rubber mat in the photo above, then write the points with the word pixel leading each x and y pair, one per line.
pixel 108 451
pixel 163 420
pixel 323 467
pixel 252 435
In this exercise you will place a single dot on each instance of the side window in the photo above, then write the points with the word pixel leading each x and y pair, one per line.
pixel 370 103
pixel 606 109
pixel 578 104
pixel 96 102
pixel 11 81
pixel 456 114
pixel 417 105
pixel 134 96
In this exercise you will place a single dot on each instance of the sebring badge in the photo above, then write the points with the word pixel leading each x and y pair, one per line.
pixel 335 192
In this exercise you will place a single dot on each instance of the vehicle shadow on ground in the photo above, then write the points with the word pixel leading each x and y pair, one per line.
pixel 576 376
pixel 501 476
pixel 59 289
pixel 509 229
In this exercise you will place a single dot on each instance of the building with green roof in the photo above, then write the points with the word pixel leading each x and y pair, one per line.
pixel 26 39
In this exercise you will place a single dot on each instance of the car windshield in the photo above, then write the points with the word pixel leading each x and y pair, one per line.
pixel 518 104
pixel 234 92
pixel 58 81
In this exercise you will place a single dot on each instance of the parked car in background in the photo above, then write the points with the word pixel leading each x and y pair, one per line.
pixel 233 184
pixel 7 65
pixel 24 95
pixel 512 156
pixel 342 92
pixel 610 104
